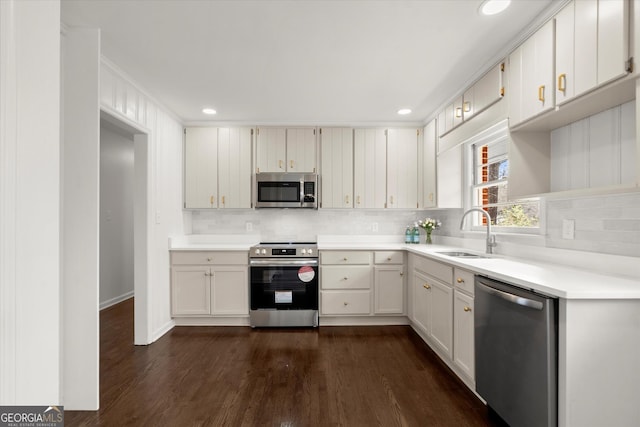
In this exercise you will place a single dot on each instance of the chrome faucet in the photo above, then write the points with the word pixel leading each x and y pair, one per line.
pixel 491 238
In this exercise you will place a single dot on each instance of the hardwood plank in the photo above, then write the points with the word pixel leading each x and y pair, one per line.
pixel 238 376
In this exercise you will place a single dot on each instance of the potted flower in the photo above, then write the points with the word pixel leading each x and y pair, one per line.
pixel 429 224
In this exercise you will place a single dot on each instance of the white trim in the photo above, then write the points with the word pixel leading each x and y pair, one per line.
pixel 113 301
pixel 162 330
pixel 106 62
pixel 8 184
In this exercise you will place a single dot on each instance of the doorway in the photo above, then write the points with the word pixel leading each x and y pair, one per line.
pixel 123 219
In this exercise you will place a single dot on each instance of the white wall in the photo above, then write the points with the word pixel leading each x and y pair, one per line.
pixel 30 302
pixel 116 214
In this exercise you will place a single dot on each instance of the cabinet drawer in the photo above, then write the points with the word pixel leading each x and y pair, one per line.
pixel 463 280
pixel 209 257
pixel 345 257
pixel 345 302
pixel 388 257
pixel 435 269
pixel 348 277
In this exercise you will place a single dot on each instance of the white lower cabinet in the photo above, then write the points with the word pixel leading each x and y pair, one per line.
pixel 463 333
pixel 206 284
pixel 432 310
pixel 190 290
pixel 346 279
pixel 442 313
pixel 389 282
pixel 361 283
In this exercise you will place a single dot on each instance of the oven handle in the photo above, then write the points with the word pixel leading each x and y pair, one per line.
pixel 282 262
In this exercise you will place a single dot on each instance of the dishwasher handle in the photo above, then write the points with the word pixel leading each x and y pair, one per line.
pixel 525 302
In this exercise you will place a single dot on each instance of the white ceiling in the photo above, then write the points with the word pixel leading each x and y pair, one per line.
pixel 303 61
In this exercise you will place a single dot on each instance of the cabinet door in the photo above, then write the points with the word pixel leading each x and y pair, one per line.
pixel 457 112
pixel 449 182
pixel 370 168
pixel 613 39
pixel 463 332
pixel 538 72
pixel 427 167
pixel 229 290
pixel 389 290
pixel 271 150
pixel 442 315
pixel 468 103
pixel 402 168
pixel 449 113
pixel 515 87
pixel 565 77
pixel 301 150
pixel 487 90
pixel 585 48
pixel 201 168
pixel 234 167
pixel 421 301
pixel 442 123
pixel 336 150
pixel 190 291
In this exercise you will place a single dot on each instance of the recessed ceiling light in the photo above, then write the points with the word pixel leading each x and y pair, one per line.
pixel 209 111
pixel 492 7
pixel 404 111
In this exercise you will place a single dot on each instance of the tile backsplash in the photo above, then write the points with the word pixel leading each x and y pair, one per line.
pixel 608 224
pixel 302 224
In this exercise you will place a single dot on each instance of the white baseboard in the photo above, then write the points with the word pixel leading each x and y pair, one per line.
pixel 162 330
pixel 113 301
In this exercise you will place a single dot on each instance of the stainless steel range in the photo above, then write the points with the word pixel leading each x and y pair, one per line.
pixel 284 284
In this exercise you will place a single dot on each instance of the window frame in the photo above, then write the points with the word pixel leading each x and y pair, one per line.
pixel 493 134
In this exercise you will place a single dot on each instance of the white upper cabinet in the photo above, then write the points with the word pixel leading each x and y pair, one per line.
pixel 591 46
pixel 271 150
pixel 217 167
pixel 286 150
pixel 613 39
pixel 336 151
pixel 369 168
pixel 477 98
pixel 402 168
pixel 532 76
pixel 427 167
pixel 301 150
pixel 201 168
pixel 234 167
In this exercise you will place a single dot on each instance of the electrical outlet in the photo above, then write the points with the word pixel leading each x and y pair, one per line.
pixel 568 229
pixel 374 227
pixel 157 217
pixel 249 226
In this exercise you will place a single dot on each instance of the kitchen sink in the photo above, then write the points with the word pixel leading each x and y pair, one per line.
pixel 458 254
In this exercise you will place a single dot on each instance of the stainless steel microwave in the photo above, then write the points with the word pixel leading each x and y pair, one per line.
pixel 286 190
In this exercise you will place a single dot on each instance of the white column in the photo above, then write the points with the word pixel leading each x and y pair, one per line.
pixel 80 215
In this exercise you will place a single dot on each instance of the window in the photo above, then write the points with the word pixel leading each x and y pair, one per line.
pixel 490 188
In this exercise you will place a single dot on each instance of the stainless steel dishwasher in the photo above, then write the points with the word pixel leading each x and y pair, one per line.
pixel 516 343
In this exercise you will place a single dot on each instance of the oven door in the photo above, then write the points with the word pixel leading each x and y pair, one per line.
pixel 284 284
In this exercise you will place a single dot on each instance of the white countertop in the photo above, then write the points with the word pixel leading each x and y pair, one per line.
pixel 551 279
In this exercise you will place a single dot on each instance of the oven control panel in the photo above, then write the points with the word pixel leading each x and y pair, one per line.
pixel 284 250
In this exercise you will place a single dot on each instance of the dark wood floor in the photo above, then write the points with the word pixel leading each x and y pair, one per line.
pixel 236 376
